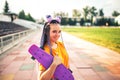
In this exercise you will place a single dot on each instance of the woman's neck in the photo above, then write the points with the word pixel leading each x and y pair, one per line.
pixel 54 45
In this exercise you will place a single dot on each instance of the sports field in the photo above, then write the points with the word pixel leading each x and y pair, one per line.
pixel 105 36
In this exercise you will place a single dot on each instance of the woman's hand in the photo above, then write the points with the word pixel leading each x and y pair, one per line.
pixel 47 74
pixel 57 60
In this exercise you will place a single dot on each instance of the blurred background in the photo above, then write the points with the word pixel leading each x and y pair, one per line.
pixel 78 12
pixel 95 21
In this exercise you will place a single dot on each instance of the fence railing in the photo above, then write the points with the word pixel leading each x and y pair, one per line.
pixel 8 41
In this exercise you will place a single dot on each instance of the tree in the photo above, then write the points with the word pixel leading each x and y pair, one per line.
pixel 61 14
pixel 6 7
pixel 22 15
pixel 85 12
pixel 64 17
pixel 101 13
pixel 82 22
pixel 29 17
pixel 25 17
pixel 64 21
pixel 115 13
pixel 71 21
pixel 93 13
pixel 76 13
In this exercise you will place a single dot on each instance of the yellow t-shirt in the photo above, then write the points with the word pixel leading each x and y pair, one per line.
pixel 60 51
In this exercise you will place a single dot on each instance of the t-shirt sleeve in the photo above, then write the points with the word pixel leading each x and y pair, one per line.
pixel 41 68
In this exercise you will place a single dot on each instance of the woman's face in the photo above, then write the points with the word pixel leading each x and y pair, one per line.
pixel 55 32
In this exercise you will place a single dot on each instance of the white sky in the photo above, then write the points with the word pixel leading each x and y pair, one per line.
pixel 41 8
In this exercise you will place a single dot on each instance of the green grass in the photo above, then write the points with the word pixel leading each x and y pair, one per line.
pixel 104 36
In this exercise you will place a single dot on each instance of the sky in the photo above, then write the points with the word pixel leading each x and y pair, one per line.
pixel 41 8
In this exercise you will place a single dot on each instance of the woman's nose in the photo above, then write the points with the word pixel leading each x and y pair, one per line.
pixel 58 33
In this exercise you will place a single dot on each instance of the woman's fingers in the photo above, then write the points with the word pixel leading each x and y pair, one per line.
pixel 57 60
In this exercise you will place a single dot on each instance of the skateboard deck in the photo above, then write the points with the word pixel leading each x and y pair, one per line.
pixel 61 72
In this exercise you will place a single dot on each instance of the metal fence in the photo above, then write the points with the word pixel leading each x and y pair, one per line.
pixel 8 41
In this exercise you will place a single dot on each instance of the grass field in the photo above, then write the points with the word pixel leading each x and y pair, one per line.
pixel 104 36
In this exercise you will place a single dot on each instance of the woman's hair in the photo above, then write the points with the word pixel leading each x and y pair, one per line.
pixel 46 32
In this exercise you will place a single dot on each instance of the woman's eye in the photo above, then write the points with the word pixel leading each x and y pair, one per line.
pixel 54 31
pixel 59 31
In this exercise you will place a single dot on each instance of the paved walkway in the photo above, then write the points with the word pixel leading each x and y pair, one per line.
pixel 16 63
pixel 88 61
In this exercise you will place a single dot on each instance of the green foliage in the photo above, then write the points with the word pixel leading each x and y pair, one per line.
pixel 86 12
pixel 61 14
pixel 101 13
pixel 71 21
pixel 115 13
pixel 64 21
pixel 30 18
pixel 102 22
pixel 22 15
pixel 6 7
pixel 108 37
pixel 76 13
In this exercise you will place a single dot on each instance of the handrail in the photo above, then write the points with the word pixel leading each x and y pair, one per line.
pixel 8 41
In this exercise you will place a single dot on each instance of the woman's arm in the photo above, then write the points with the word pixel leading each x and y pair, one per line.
pixel 47 74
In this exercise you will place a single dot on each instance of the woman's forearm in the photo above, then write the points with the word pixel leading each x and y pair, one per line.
pixel 48 74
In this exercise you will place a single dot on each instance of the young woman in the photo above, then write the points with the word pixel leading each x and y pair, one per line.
pixel 50 43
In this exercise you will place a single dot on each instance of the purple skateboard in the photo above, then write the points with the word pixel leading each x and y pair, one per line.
pixel 61 72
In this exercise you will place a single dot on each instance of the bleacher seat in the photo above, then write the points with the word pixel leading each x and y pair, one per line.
pixel 9 28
